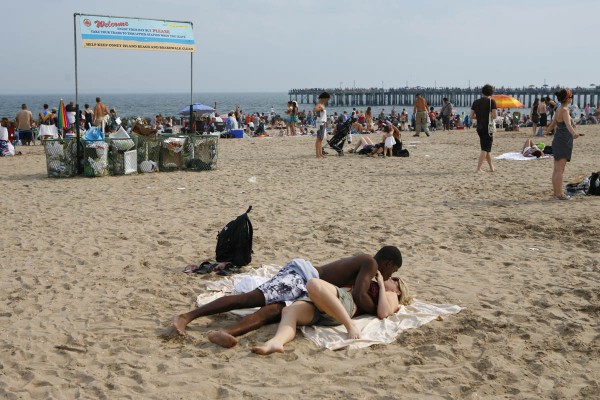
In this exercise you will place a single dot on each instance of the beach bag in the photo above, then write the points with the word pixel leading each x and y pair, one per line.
pixel 491 122
pixel 594 189
pixel 234 242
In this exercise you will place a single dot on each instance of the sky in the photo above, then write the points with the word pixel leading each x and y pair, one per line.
pixel 276 45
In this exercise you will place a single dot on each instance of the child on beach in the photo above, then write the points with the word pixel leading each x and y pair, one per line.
pixel 321 120
pixel 389 140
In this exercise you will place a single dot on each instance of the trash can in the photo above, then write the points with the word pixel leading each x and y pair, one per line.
pixel 148 153
pixel 122 156
pixel 202 152
pixel 173 153
pixel 61 157
pixel 95 158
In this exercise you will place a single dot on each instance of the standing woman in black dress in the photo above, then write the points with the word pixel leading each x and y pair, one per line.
pixel 562 143
pixel 481 110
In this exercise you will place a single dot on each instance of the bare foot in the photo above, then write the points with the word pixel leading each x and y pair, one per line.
pixel 492 169
pixel 353 332
pixel 268 348
pixel 179 323
pixel 222 338
pixel 479 171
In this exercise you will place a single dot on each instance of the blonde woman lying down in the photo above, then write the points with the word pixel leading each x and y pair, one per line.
pixel 330 305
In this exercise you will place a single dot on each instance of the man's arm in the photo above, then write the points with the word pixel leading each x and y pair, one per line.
pixel 360 292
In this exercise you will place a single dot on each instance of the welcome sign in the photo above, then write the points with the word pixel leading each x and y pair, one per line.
pixel 98 32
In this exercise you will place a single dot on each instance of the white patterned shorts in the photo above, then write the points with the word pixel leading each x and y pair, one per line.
pixel 287 285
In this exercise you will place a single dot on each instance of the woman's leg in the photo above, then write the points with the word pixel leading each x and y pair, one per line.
pixel 482 157
pixel 299 313
pixel 325 297
pixel 488 157
pixel 362 141
pixel 557 176
pixel 319 148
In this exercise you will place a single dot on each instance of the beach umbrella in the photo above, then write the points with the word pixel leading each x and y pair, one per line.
pixel 198 108
pixel 504 101
pixel 62 120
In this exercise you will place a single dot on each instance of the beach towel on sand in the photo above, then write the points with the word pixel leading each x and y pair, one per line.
pixel 373 330
pixel 516 156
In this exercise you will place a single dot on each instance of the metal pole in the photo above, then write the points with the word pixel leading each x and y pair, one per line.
pixel 192 130
pixel 192 89
pixel 78 135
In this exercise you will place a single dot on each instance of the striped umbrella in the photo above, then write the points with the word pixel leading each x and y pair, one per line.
pixel 63 120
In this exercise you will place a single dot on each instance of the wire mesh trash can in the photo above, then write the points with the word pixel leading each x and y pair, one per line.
pixel 203 152
pixel 61 157
pixel 95 158
pixel 148 153
pixel 123 156
pixel 173 153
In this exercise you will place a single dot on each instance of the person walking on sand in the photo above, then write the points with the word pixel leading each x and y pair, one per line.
pixel 446 112
pixel 100 113
pixel 542 111
pixel 24 122
pixel 421 115
pixel 369 120
pixel 321 121
pixel 562 142
pixel 534 114
pixel 481 110
pixel 290 284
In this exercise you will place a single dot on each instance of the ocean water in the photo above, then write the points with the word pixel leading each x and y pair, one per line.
pixel 148 105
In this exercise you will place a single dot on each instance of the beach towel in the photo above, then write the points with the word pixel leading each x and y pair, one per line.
pixel 373 330
pixel 516 156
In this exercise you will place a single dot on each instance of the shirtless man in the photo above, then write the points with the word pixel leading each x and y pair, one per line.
pixel 290 284
pixel 100 111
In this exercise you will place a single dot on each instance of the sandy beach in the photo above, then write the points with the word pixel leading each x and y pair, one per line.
pixel 91 273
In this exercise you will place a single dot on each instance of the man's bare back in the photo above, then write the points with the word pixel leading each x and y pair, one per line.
pixel 100 111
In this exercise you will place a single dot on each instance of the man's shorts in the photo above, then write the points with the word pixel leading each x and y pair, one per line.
pixel 320 318
pixel 287 285
pixel 321 132
pixel 25 135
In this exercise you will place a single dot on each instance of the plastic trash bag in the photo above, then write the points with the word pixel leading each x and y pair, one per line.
pixel 93 134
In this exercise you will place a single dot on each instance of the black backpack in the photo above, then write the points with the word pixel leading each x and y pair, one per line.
pixel 234 242
pixel 594 189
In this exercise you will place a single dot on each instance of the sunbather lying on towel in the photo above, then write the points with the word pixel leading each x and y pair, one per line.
pixel 530 149
pixel 330 305
pixel 289 284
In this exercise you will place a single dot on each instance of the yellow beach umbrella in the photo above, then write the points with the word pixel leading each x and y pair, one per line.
pixel 504 101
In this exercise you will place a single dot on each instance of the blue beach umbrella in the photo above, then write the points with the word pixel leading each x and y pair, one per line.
pixel 198 108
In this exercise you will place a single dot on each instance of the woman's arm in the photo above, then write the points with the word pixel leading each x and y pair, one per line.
pixel 569 126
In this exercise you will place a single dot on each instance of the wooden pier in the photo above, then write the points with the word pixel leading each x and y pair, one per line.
pixel 459 97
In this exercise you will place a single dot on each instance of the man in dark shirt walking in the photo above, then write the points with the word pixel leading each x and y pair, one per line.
pixel 481 109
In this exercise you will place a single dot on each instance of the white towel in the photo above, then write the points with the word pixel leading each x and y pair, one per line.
pixel 373 330
pixel 516 156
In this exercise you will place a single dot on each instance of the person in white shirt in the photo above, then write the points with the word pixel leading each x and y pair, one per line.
pixel 321 120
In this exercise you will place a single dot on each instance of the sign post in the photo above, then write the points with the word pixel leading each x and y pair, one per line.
pixel 124 33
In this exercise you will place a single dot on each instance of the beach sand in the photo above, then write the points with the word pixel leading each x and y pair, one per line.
pixel 91 273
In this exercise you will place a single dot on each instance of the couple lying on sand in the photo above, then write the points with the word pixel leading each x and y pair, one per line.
pixel 328 295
